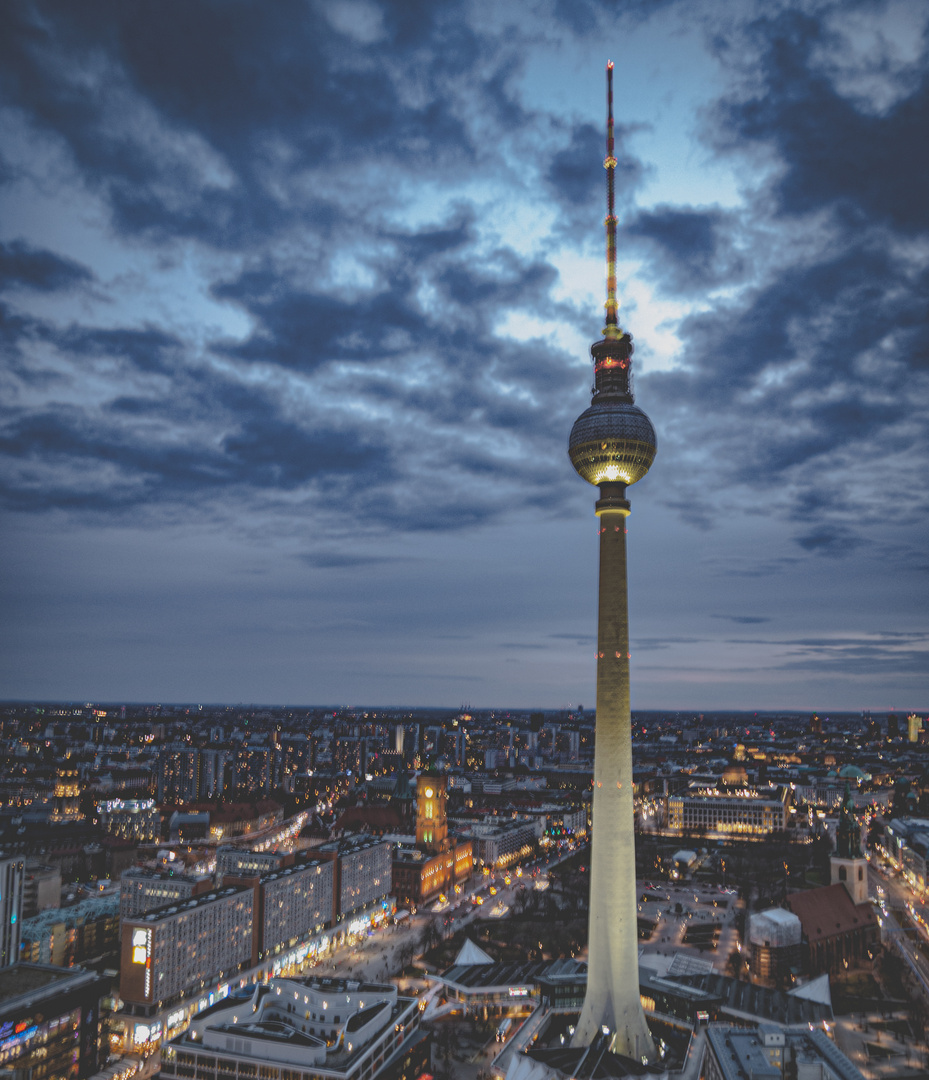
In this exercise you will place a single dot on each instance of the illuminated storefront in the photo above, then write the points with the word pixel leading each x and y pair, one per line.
pixel 50 1020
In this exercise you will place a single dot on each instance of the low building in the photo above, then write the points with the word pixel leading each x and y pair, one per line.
pixel 769 1052
pixel 419 877
pixel 41 888
pixel 776 943
pixel 500 844
pixel 302 1029
pixel 87 931
pixel 242 862
pixel 498 989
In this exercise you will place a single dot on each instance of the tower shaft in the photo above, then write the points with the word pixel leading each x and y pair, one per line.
pixel 612 998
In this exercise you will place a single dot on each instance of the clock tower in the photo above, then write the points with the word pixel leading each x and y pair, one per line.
pixel 431 819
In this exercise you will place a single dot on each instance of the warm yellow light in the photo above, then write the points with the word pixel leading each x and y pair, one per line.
pixel 428 792
pixel 139 954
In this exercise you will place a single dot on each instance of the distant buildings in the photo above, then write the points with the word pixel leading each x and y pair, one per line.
pixel 131 819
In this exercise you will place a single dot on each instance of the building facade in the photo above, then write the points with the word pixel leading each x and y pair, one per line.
pixel 362 873
pixel 142 890
pixel 296 902
pixel 180 949
pixel 729 812
pixel 50 1021
pixel 12 884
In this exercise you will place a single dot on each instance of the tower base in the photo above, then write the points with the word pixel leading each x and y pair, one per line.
pixel 626 1030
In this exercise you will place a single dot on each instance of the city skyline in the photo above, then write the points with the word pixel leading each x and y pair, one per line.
pixel 297 304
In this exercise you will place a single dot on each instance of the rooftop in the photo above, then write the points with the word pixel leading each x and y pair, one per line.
pixel 829 911
pixel 22 983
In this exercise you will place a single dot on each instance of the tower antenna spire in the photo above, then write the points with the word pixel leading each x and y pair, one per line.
pixel 609 163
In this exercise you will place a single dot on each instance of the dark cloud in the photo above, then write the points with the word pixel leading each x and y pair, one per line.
pixel 861 658
pixel 690 249
pixel 147 349
pixel 344 560
pixel 88 463
pixel 199 118
pixel 834 542
pixel 806 378
pixel 28 267
pixel 650 644
pixel 573 179
pixel 586 16
pixel 746 620
pixel 577 639
pixel 805 383
pixel 869 167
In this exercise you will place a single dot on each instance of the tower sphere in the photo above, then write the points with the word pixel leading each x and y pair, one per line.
pixel 612 441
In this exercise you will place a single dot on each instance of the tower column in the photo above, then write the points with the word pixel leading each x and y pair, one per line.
pixel 612 998
pixel 612 445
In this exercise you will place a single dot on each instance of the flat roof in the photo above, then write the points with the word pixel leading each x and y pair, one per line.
pixel 23 981
pixel 486 977
pixel 271 1031
pixel 177 907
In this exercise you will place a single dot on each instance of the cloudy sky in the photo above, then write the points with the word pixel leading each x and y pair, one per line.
pixel 295 310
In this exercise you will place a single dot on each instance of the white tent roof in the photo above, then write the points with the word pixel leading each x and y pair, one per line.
pixel 472 954
pixel 815 990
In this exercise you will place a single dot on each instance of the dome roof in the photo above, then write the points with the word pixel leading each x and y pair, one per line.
pixel 612 440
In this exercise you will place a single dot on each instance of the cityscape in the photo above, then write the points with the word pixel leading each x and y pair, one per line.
pixel 293 303
pixel 420 881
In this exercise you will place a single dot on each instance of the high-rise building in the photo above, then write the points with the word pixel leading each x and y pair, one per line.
pixel 178 778
pixel 12 882
pixel 177 950
pixel 613 445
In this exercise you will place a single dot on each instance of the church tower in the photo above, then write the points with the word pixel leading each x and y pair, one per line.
pixel 848 866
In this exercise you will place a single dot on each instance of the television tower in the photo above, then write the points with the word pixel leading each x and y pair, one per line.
pixel 612 445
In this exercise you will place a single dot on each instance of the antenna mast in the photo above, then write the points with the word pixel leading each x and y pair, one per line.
pixel 611 329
